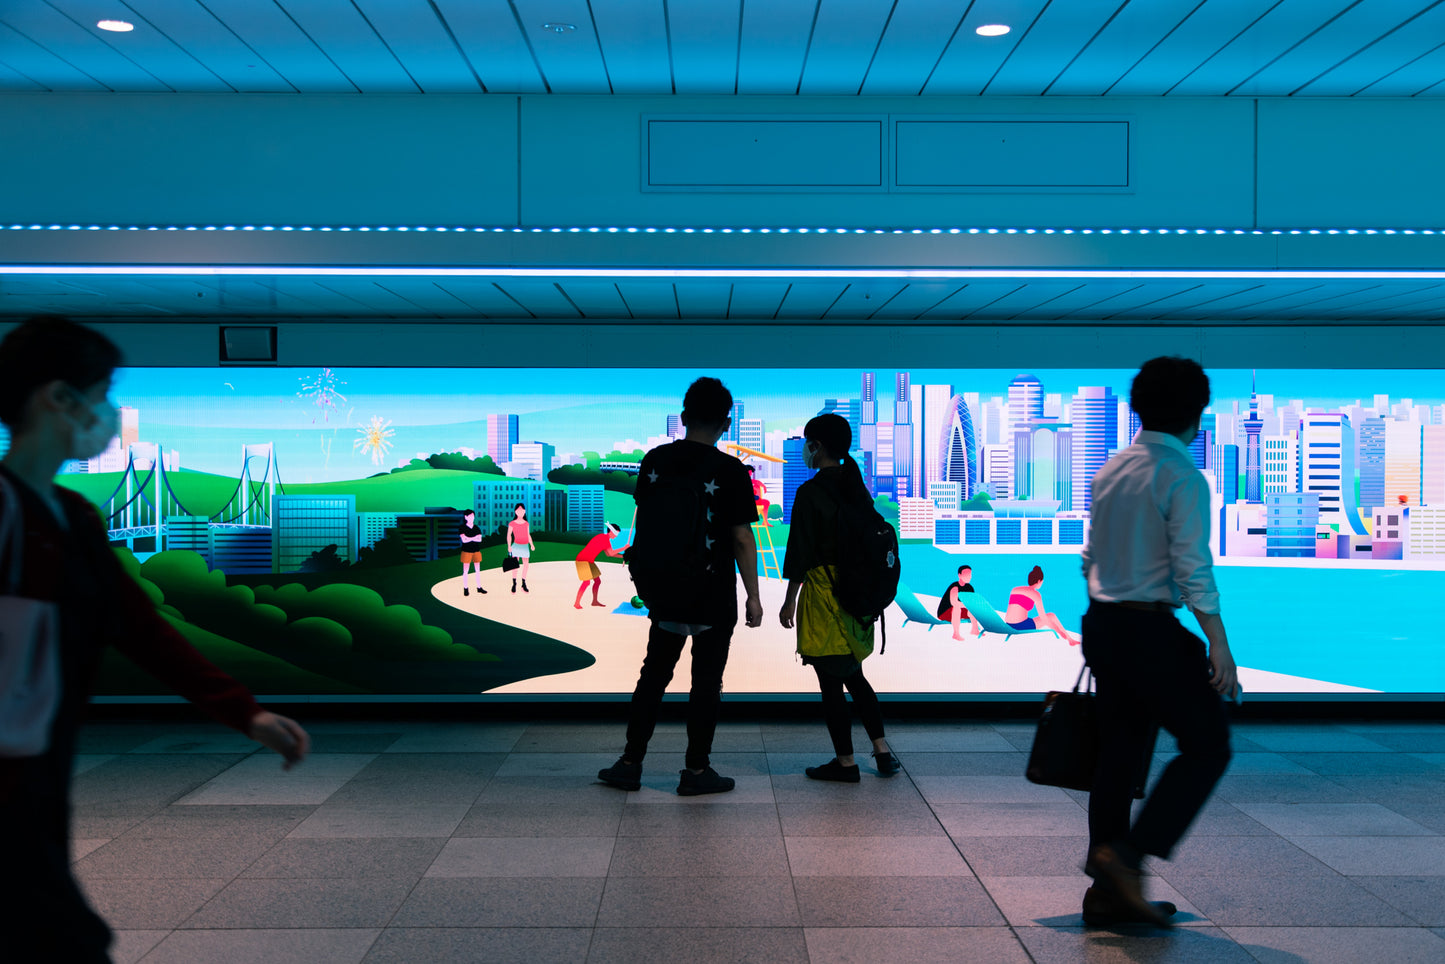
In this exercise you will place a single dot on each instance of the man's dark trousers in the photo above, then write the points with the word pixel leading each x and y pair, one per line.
pixel 1148 669
pixel 709 659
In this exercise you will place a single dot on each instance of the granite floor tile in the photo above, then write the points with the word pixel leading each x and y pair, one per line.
pixel 494 945
pixel 502 902
pixel 523 857
pixel 858 902
pixel 1024 856
pixel 703 945
pixel 271 904
pixel 348 858
pixel 1410 740
pixel 809 739
pixel 874 857
pixel 180 822
pixel 79 848
pixel 683 856
pixel 212 740
pixel 1431 816
pixel 1234 857
pixel 84 823
pixel 610 737
pixel 260 780
pixel 1339 945
pixel 557 764
pixel 663 790
pixel 895 793
pixel 1421 898
pixel 1378 856
pixel 1284 788
pixel 532 820
pixel 986 789
pixel 1288 902
pixel 134 781
pixel 433 777
pixel 704 819
pixel 962 738
pixel 459 738
pixel 292 946
pixel 416 820
pixel 135 858
pixel 1137 945
pixel 89 761
pixel 1332 819
pixel 843 818
pixel 121 737
pixel 1394 788
pixel 577 792
pixel 1217 819
pixel 1353 764
pixel 1316 738
pixel 1059 901
pixel 1251 763
pixel 994 764
pixel 128 947
pixel 916 945
pixel 1007 819
pixel 155 904
pixel 698 902
pixel 370 742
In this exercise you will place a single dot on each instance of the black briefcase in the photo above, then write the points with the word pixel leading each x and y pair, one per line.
pixel 1066 744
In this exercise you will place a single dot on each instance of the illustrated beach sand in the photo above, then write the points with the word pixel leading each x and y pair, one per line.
pixel 918 660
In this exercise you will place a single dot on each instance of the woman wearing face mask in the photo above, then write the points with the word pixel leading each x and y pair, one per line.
pixel 54 381
pixel 829 639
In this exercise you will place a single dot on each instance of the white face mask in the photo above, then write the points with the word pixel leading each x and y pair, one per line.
pixel 92 439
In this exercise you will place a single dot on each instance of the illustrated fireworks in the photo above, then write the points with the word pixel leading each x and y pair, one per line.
pixel 321 391
pixel 374 439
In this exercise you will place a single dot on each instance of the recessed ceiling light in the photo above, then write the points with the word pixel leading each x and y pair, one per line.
pixel 993 30
pixel 116 26
pixel 559 27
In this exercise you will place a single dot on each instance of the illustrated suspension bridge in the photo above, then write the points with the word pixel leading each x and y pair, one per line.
pixel 144 503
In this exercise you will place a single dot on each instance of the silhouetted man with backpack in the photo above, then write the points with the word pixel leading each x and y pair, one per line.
pixel 695 512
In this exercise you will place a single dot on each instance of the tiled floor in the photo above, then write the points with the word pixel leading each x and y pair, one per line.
pixel 417 842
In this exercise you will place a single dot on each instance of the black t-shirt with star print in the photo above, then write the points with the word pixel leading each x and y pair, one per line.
pixel 729 493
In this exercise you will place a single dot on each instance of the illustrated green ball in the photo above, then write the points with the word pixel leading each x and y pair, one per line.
pixel 636 602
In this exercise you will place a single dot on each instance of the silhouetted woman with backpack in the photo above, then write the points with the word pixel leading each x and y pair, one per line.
pixel 829 639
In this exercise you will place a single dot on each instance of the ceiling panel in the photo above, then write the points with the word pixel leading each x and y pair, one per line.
pixel 705 299
pixel 810 299
pixel 649 299
pixel 1078 300
pixel 876 47
pixel 338 28
pixel 490 35
pixel 482 296
pixel 915 299
pixel 971 299
pixel 1052 42
pixel 266 29
pixel 596 298
pixel 1408 41
pixel 845 35
pixel 773 45
pixel 1030 296
pixel 542 298
pixel 757 301
pixel 1122 43
pixel 1191 43
pixel 704 36
pixel 971 61
pixel 197 31
pixel 1267 39
pixel 641 28
pixel 411 31
pixel 571 60
pixel 863 298
pixel 150 49
pixel 77 45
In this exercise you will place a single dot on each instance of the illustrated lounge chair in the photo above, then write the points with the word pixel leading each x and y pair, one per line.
pixel 914 611
pixel 988 618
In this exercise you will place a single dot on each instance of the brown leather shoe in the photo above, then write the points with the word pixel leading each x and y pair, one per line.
pixel 1102 910
pixel 1120 881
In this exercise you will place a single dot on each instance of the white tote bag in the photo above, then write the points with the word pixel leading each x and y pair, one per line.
pixel 29 646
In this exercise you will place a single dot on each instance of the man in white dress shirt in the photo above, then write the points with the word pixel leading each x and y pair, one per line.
pixel 1148 554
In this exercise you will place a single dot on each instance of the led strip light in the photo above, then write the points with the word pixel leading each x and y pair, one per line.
pixel 715 230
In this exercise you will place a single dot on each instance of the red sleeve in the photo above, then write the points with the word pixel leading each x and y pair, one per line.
pixel 156 647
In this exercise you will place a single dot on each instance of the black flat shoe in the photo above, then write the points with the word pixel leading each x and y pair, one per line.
pixel 835 772
pixel 887 764
pixel 1102 910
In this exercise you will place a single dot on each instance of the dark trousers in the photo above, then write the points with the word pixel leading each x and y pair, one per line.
pixel 1148 670
pixel 835 704
pixel 709 659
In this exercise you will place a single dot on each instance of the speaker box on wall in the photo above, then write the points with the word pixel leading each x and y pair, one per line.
pixel 250 345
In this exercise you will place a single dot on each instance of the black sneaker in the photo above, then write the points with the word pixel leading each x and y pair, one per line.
pixel 481 591
pixel 466 591
pixel 887 764
pixel 695 784
pixel 834 771
pixel 622 775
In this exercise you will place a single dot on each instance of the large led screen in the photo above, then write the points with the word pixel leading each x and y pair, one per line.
pixel 301 526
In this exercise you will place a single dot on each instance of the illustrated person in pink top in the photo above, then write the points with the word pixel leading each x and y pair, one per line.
pixel 1023 600
pixel 519 543
pixel 760 489
pixel 587 569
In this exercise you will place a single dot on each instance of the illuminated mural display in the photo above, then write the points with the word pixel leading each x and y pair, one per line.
pixel 305 528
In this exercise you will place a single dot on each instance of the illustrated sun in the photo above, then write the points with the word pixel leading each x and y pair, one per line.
pixel 374 439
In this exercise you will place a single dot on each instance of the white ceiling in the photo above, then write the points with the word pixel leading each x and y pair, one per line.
pixel 1246 48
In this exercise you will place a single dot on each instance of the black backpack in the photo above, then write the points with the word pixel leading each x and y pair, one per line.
pixel 669 559
pixel 868 563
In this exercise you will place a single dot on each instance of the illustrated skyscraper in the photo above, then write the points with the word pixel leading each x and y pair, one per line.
pixel 1253 426
pixel 958 448
pixel 1095 418
pixel 795 473
pixel 903 450
pixel 1372 462
pixel 501 436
